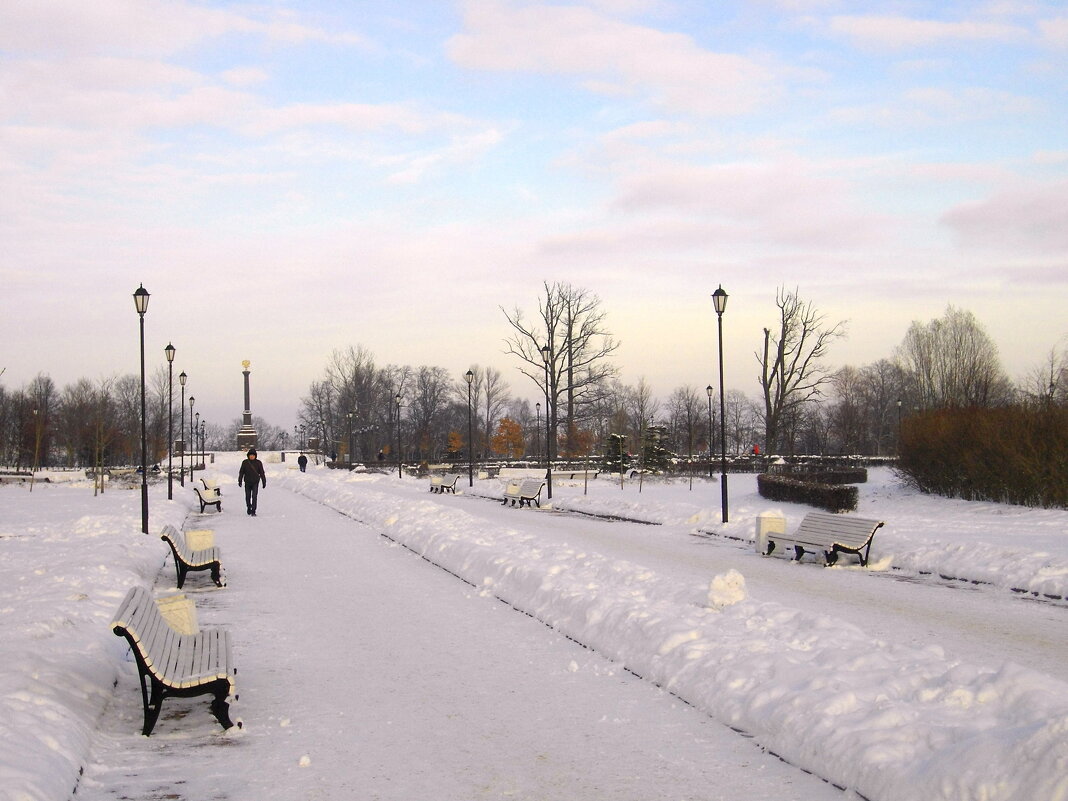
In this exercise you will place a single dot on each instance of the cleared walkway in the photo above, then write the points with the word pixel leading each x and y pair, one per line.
pixel 365 672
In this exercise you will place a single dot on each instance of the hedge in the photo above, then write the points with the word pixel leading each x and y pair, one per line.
pixel 830 497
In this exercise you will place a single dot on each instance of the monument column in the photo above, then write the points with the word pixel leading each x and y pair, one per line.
pixel 246 436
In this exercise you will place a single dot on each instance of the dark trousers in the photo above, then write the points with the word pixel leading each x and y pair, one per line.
pixel 252 490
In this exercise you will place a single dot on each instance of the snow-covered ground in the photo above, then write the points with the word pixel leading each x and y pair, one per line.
pixel 655 659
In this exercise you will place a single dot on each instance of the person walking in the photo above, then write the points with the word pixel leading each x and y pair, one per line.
pixel 302 461
pixel 251 474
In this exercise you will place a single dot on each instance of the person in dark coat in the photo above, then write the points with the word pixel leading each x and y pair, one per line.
pixel 251 474
pixel 302 461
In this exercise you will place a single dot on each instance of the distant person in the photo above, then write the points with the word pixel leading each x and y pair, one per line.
pixel 251 474
pixel 381 455
pixel 302 461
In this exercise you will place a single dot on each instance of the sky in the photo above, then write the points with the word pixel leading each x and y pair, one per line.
pixel 288 179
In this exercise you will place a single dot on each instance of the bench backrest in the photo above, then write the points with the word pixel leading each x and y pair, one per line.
pixel 845 530
pixel 449 479
pixel 512 490
pixel 531 487
pixel 177 540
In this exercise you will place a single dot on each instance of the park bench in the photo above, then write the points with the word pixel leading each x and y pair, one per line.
pixel 830 534
pixel 182 660
pixel 211 485
pixel 187 559
pixel 208 498
pixel 444 483
pixel 523 492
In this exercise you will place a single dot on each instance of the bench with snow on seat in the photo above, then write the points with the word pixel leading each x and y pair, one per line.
pixel 211 486
pixel 829 534
pixel 187 558
pixel 209 497
pixel 523 492
pixel 444 483
pixel 175 658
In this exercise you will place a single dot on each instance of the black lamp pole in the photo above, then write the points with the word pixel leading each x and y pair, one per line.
pixel 193 451
pixel 140 297
pixel 181 429
pixel 719 299
pixel 469 377
pixel 169 353
pixel 545 354
pixel 537 436
pixel 397 400
pixel 203 451
pixel 711 434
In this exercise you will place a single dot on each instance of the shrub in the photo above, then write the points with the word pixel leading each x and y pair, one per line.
pixel 1009 455
pixel 830 497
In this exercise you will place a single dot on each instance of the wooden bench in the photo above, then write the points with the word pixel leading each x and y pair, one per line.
pixel 523 492
pixel 208 498
pixel 830 534
pixel 186 559
pixel 171 661
pixel 444 483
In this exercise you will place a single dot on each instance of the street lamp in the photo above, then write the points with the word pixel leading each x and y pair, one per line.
pixel 203 450
pixel 350 416
pixel 397 400
pixel 537 435
pixel 192 452
pixel 545 354
pixel 469 377
pixel 140 297
pixel 719 300
pixel 181 429
pixel 169 353
pixel 711 435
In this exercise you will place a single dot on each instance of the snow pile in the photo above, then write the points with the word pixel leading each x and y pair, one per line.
pixel 889 721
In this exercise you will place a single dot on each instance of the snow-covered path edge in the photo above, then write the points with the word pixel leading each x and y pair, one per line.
pixel 888 722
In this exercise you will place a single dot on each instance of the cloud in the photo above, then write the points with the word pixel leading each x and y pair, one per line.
pixel 140 27
pixel 610 57
pixel 1032 220
pixel 895 33
pixel 926 106
pixel 1055 31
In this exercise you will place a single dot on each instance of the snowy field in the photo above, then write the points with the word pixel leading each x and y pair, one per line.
pixel 394 644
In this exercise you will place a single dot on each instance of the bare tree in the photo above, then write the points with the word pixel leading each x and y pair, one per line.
pixel 952 362
pixel 792 371
pixel 571 328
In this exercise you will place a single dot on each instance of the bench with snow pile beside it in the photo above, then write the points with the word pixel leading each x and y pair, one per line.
pixel 827 535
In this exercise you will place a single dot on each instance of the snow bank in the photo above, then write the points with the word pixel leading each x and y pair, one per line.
pixel 887 721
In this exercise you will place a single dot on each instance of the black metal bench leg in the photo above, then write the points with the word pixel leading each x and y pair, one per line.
pixel 216 574
pixel 152 707
pixel 221 709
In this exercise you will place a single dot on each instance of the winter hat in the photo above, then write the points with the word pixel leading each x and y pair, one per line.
pixel 251 452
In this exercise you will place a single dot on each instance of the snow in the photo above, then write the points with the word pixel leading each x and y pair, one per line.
pixel 393 643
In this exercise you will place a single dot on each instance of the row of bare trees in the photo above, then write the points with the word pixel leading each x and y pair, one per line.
pixel 364 411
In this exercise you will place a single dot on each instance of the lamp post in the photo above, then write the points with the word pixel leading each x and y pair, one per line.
pixel 537 434
pixel 196 439
pixel 397 401
pixel 545 354
pixel 192 452
pixel 169 353
pixel 203 450
pixel 350 416
pixel 181 429
pixel 711 429
pixel 140 297
pixel 719 300
pixel 469 377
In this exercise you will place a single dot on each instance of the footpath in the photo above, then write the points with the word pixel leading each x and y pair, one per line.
pixel 366 672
